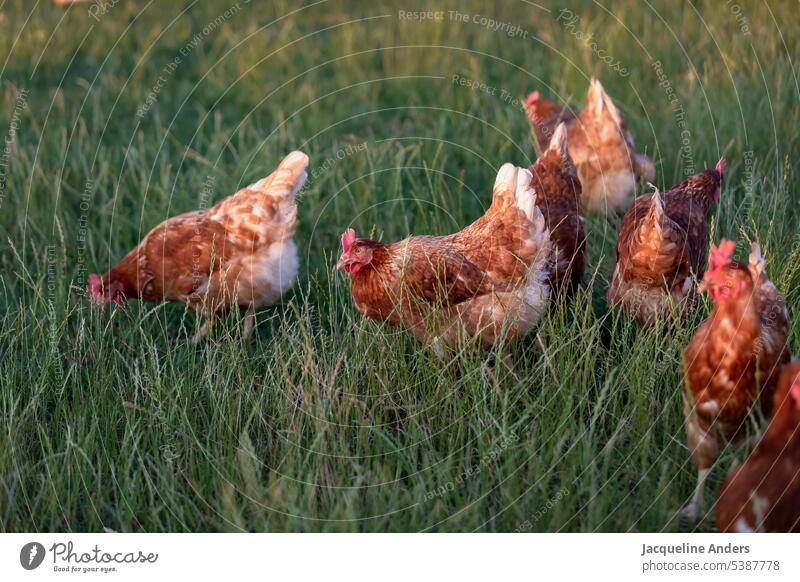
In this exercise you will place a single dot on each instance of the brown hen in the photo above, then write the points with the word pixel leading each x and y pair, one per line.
pixel 487 278
pixel 558 193
pixel 734 358
pixel 763 493
pixel 240 252
pixel 661 248
pixel 601 147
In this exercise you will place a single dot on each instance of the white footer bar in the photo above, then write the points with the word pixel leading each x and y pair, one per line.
pixel 402 557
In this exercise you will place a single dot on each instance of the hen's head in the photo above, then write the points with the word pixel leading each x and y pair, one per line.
pixel 709 182
pixel 101 290
pixel 356 253
pixel 540 110
pixel 725 278
pixel 716 177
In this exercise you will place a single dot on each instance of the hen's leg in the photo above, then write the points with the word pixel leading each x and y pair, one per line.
pixel 249 321
pixel 703 449
pixel 438 348
pixel 692 510
pixel 203 332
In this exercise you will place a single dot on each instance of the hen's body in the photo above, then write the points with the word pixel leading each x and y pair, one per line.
pixel 239 252
pixel 601 147
pixel 558 192
pixel 763 492
pixel 486 278
pixel 662 249
pixel 733 360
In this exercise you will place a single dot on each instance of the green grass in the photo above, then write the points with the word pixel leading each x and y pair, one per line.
pixel 326 421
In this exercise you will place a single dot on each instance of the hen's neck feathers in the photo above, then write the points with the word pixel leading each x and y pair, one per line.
pixel 556 178
pixel 126 272
pixel 380 259
pixel 698 189
pixel 737 319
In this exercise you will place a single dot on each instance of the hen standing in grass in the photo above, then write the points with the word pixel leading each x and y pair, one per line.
pixel 239 252
pixel 734 358
pixel 662 247
pixel 762 494
pixel 600 144
pixel 558 194
pixel 491 276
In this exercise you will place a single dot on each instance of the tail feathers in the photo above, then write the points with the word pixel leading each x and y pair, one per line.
pixel 657 217
pixel 513 186
pixel 505 185
pixel 525 195
pixel 601 105
pixel 558 142
pixel 756 261
pixel 287 179
pixel 539 234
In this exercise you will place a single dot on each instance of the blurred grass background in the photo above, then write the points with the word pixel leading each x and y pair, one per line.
pixel 116 116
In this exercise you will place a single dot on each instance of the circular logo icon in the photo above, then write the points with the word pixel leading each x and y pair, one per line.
pixel 31 555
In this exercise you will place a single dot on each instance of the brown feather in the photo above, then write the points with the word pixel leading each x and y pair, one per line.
pixel 237 252
pixel 473 279
pixel 601 147
pixel 661 252
pixel 762 493
pixel 558 192
pixel 732 362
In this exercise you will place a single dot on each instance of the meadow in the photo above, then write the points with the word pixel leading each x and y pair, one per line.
pixel 116 115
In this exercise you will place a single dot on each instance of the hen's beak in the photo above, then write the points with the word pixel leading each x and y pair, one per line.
pixel 703 286
pixel 343 261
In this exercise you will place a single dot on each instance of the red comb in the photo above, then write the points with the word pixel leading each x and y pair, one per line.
pixel 348 238
pixel 720 256
pixel 95 284
pixel 532 98
pixel 721 166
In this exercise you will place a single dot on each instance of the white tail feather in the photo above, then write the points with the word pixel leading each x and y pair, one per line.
pixel 517 181
pixel 506 178
pixel 525 195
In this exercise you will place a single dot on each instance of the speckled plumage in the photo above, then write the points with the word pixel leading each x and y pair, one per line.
pixel 488 277
pixel 600 144
pixel 558 192
pixel 239 252
pixel 763 493
pixel 662 247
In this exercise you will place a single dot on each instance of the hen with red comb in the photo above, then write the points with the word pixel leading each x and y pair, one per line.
pixel 733 360
pixel 600 144
pixel 239 253
pixel 488 280
pixel 661 250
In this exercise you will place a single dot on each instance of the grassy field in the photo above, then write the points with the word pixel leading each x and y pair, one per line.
pixel 114 120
